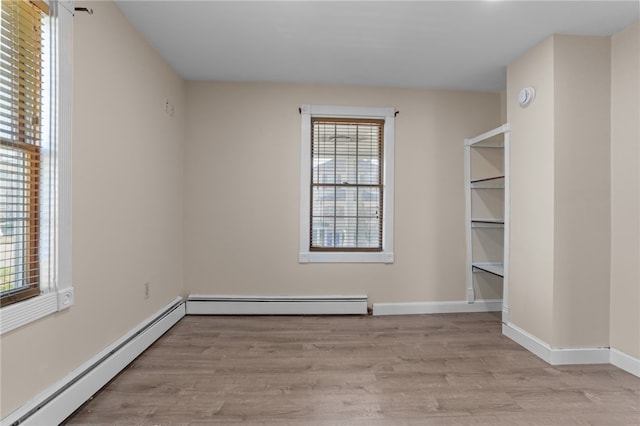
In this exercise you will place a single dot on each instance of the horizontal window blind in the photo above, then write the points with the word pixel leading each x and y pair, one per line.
pixel 346 184
pixel 21 67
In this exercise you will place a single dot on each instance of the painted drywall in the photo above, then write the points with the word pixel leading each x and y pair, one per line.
pixel 581 191
pixel 127 204
pixel 580 186
pixel 625 191
pixel 532 192
pixel 242 172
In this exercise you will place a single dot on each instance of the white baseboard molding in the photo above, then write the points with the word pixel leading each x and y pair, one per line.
pixel 418 308
pixel 579 356
pixel 198 304
pixel 625 362
pixel 59 401
pixel 555 356
pixel 527 341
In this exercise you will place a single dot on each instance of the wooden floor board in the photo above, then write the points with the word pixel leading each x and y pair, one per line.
pixel 443 369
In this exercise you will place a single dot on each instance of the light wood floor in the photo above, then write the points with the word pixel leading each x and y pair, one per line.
pixel 449 369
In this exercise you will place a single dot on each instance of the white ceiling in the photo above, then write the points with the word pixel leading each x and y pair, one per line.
pixel 462 45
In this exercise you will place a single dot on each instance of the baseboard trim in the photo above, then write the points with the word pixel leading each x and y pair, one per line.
pixel 419 308
pixel 625 362
pixel 59 401
pixel 198 304
pixel 527 341
pixel 579 356
pixel 555 356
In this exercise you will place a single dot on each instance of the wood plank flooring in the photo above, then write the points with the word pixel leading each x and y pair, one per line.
pixel 446 369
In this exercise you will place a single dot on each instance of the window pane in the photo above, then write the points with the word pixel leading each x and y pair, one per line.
pixel 368 232
pixel 369 201
pixel 368 171
pixel 18 219
pixel 323 234
pixel 346 228
pixel 324 201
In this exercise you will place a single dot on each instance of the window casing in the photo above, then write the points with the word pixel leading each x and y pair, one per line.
pixel 35 154
pixel 346 188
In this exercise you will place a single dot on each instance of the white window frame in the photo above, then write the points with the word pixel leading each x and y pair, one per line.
pixel 57 293
pixel 388 115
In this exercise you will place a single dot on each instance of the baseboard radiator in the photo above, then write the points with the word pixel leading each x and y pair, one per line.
pixel 58 402
pixel 421 308
pixel 198 304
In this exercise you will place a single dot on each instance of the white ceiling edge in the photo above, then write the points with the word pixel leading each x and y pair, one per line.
pixel 460 45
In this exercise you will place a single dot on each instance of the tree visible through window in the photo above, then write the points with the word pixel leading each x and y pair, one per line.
pixel 346 184
pixel 21 68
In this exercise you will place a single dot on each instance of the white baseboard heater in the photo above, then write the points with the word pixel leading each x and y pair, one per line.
pixel 198 304
pixel 59 401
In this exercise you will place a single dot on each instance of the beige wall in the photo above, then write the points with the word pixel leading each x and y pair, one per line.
pixel 625 191
pixel 560 192
pixel 242 192
pixel 127 205
pixel 532 192
pixel 581 191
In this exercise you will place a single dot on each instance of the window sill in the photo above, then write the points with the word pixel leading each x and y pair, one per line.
pixel 345 257
pixel 22 313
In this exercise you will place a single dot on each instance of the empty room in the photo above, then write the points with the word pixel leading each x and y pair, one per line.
pixel 320 212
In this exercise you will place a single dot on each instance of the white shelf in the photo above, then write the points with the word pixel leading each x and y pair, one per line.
pixel 487 223
pixel 485 138
pixel 496 182
pixel 495 268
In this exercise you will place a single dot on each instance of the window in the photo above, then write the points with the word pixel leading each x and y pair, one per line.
pixel 346 184
pixel 35 116
pixel 346 211
pixel 20 137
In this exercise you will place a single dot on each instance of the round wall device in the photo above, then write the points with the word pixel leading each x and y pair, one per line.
pixel 526 96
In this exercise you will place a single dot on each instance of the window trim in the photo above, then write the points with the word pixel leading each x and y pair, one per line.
pixel 60 293
pixel 386 255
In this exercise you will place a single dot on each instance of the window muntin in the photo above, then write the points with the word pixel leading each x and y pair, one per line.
pixel 21 107
pixel 346 184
